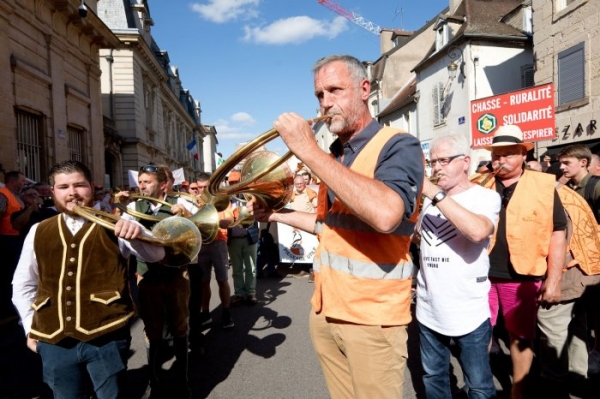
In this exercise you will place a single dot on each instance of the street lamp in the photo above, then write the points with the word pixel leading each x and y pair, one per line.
pixel 452 68
pixel 456 62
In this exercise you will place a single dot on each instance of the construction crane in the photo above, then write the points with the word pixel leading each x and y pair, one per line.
pixel 350 15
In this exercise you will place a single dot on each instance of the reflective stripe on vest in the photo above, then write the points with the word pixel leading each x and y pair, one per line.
pixel 362 276
pixel 376 271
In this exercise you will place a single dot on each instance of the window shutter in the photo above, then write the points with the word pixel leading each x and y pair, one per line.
pixel 438 100
pixel 527 74
pixel 571 74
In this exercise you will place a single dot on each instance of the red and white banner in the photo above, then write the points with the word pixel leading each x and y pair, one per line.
pixel 531 109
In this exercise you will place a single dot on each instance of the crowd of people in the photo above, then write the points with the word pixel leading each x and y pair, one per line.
pixel 518 242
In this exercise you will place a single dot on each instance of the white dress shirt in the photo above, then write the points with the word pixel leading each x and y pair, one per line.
pixel 25 280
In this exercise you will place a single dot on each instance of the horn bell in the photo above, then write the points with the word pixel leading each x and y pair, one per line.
pixel 179 236
pixel 265 175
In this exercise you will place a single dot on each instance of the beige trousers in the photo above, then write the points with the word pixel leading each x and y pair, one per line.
pixel 358 361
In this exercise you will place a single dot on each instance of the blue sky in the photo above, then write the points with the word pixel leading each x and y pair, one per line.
pixel 247 61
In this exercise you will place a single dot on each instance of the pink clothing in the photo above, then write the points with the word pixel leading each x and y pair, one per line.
pixel 518 303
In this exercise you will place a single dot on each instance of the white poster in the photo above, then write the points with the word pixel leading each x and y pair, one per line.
pixel 295 246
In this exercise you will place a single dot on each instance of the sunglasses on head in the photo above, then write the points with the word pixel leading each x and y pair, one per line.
pixel 149 169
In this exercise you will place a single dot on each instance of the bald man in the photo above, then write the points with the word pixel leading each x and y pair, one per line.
pixel 594 167
pixel 534 165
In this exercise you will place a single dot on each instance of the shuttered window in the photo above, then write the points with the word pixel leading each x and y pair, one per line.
pixel 76 144
pixel 30 149
pixel 527 73
pixel 571 74
pixel 438 104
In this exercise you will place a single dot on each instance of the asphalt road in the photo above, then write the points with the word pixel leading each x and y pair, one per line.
pixel 267 355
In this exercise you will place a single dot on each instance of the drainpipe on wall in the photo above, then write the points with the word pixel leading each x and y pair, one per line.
pixel 111 101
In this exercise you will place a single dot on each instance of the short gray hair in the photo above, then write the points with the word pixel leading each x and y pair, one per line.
pixel 457 142
pixel 355 67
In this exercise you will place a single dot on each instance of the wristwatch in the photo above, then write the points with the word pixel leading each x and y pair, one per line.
pixel 437 198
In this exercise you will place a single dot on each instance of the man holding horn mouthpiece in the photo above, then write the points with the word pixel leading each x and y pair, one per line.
pixel 528 249
pixel 72 292
pixel 361 304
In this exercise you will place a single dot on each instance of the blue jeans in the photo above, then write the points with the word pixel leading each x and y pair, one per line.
pixel 64 369
pixel 474 360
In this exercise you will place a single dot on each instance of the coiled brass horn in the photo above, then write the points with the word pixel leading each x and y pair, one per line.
pixel 187 196
pixel 206 219
pixel 221 202
pixel 180 236
pixel 264 175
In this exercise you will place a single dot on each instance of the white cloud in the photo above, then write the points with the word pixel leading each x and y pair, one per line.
pixel 232 129
pixel 243 117
pixel 221 11
pixel 295 30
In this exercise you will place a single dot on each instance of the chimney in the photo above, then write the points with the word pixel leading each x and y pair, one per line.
pixel 385 40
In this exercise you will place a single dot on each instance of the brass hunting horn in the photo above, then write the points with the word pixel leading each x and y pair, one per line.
pixel 206 219
pixel 264 175
pixel 180 237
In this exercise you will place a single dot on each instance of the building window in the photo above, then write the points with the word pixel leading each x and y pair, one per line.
pixel 562 4
pixel 30 148
pixel 528 21
pixel 76 144
pixel 442 36
pixel 438 104
pixel 527 73
pixel 571 74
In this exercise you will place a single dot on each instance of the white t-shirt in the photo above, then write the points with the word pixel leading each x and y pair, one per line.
pixel 453 284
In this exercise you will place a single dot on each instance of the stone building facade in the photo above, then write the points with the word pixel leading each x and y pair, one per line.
pixel 50 98
pixel 150 117
pixel 566 42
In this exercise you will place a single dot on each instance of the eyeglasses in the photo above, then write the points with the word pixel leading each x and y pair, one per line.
pixel 149 169
pixel 443 161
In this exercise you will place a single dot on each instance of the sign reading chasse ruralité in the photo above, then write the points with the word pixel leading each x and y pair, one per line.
pixel 532 109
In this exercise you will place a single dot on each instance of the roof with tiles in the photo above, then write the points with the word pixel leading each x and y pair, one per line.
pixel 484 18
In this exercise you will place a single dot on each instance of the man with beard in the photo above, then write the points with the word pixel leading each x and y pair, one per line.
pixel 361 304
pixel 163 291
pixel 72 294
pixel 528 249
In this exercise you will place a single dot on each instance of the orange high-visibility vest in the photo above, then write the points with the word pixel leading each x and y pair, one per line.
pixel 529 222
pixel 362 276
pixel 12 206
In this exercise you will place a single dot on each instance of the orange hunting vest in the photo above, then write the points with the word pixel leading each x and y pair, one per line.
pixel 12 206
pixel 362 276
pixel 529 222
